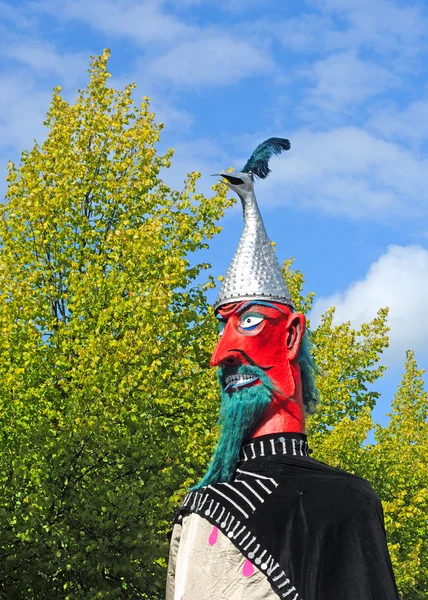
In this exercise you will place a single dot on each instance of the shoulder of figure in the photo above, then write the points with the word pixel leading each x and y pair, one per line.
pixel 337 490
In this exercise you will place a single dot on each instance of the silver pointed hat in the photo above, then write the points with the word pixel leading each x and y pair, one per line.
pixel 254 272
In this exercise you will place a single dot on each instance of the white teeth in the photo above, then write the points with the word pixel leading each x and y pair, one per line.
pixel 238 378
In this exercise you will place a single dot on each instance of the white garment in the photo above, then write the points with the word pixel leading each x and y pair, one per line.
pixel 205 565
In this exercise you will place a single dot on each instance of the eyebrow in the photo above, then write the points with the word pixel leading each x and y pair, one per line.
pixel 258 303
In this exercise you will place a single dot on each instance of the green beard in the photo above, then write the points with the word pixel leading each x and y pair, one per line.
pixel 240 412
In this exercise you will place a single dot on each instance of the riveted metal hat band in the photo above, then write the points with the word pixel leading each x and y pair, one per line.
pixel 266 298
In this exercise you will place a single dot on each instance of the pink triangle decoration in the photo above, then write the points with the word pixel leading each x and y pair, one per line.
pixel 213 537
pixel 248 568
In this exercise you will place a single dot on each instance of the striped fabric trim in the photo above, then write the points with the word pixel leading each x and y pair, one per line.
pixel 243 538
pixel 274 446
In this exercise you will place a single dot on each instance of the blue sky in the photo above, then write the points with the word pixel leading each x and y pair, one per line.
pixel 345 80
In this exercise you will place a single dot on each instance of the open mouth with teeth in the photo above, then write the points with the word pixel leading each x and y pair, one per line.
pixel 236 380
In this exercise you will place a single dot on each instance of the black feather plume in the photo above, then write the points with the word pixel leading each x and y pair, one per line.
pixel 258 163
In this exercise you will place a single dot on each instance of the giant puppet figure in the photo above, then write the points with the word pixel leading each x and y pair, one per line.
pixel 268 521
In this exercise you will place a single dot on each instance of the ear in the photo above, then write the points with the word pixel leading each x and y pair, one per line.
pixel 295 331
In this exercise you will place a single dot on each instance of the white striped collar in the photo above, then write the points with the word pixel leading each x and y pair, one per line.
pixel 278 444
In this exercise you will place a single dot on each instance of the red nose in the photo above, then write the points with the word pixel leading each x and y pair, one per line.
pixel 225 352
pixel 222 356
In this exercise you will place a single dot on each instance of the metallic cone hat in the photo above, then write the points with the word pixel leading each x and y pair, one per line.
pixel 254 272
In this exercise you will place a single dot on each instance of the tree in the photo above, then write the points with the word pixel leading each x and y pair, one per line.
pixel 398 468
pixel 104 339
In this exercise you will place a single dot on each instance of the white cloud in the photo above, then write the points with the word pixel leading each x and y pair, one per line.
pixel 224 5
pixel 244 5
pixel 187 3
pixel 179 53
pixel 170 116
pixel 26 87
pixel 348 171
pixel 177 120
pixel 23 108
pixel 211 61
pixel 398 280
pixel 200 154
pixel 343 81
pixel 16 14
pixel 410 124
pixel 381 25
pixel 44 59
pixel 302 33
pixel 142 21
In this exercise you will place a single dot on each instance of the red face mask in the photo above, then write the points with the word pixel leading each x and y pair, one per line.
pixel 262 334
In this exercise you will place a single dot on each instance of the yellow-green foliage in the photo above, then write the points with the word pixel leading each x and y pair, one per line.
pixel 104 342
pixel 396 464
pixel 398 467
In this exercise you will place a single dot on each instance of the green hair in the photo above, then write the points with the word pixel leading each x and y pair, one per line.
pixel 309 371
pixel 239 413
